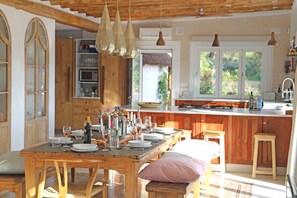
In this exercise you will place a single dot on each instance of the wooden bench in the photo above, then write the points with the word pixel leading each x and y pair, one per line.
pixel 13 183
pixel 158 189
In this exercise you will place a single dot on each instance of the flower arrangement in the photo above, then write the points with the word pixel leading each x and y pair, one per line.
pixel 107 117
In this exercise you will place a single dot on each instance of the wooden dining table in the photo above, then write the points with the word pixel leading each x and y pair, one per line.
pixel 124 160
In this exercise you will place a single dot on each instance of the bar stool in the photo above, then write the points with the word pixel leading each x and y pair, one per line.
pixel 263 170
pixel 220 135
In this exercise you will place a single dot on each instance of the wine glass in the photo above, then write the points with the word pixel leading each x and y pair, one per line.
pixel 105 137
pixel 133 132
pixel 66 133
pixel 148 123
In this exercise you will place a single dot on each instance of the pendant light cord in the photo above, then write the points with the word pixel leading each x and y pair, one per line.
pixel 161 15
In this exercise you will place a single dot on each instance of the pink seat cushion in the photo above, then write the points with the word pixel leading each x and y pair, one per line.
pixel 176 168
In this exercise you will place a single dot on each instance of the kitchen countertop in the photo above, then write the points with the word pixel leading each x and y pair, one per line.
pixel 268 110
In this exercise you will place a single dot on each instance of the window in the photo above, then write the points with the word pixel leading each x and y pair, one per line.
pixel 151 79
pixel 4 70
pixel 231 71
pixel 36 60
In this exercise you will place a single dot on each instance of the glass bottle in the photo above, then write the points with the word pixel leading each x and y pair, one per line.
pixel 251 101
pixel 88 130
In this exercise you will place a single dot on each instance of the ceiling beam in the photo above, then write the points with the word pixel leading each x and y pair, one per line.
pixel 52 13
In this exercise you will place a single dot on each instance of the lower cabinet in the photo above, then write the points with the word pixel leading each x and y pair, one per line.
pixel 242 141
pixel 243 130
pixel 188 122
pixel 83 108
pixel 281 127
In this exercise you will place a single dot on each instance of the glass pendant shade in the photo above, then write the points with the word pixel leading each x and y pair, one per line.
pixel 216 42
pixel 272 40
pixel 130 40
pixel 160 40
pixel 105 37
pixel 119 38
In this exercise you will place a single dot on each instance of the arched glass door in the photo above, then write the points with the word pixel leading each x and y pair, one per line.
pixel 36 86
pixel 5 78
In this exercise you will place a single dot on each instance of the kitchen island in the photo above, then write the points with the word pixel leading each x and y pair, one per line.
pixel 239 125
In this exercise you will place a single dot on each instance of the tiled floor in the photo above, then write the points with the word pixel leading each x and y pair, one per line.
pixel 222 186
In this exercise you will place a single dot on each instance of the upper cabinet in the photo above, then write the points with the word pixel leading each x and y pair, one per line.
pixel 87 69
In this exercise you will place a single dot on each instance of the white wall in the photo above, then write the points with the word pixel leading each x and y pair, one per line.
pixel 18 21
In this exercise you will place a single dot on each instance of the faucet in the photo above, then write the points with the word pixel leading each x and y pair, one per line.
pixel 287 94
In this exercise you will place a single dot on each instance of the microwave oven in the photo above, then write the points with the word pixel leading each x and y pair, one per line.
pixel 88 75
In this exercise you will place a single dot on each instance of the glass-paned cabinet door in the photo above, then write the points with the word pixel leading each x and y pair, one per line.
pixel 3 77
pixel 3 50
pixel 3 107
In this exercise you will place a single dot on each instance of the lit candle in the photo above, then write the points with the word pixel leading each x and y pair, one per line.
pixel 109 121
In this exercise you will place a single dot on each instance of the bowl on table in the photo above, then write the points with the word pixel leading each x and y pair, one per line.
pixel 149 104
pixel 78 134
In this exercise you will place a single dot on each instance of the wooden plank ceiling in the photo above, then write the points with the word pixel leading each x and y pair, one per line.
pixel 151 9
pixel 143 9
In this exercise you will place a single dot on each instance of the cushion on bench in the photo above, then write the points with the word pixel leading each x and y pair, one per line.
pixel 187 161
pixel 12 163
pixel 198 149
pixel 174 167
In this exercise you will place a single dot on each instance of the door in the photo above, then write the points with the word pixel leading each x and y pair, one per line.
pixel 243 130
pixel 5 78
pixel 36 85
pixel 64 82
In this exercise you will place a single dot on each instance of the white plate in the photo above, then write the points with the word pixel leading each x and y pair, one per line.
pixel 84 150
pixel 84 146
pixel 153 136
pixel 164 130
pixel 139 143
pixel 140 146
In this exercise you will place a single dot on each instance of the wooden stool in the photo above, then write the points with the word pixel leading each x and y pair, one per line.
pixel 220 135
pixel 266 171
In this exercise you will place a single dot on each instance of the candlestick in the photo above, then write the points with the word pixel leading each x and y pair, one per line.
pixel 117 123
pixel 109 121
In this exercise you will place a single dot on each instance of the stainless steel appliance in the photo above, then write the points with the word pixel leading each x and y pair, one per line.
pixel 88 75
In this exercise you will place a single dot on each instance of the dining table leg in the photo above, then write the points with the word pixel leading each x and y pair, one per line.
pixel 30 177
pixel 131 178
pixel 105 182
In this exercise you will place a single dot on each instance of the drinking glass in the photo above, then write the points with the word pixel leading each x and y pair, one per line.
pixel 105 136
pixel 148 123
pixel 66 133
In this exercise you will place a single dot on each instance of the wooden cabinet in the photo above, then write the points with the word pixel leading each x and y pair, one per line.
pixel 114 81
pixel 189 122
pixel 64 82
pixel 242 138
pixel 218 123
pixel 82 108
pixel 243 130
pixel 281 127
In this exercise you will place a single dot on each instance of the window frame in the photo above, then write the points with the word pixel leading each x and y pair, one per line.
pixel 196 47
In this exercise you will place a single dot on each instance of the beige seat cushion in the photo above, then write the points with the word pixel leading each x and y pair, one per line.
pixel 12 163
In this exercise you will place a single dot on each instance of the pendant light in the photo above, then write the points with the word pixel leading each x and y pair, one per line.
pixel 160 40
pixel 105 37
pixel 130 38
pixel 119 38
pixel 216 42
pixel 272 40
